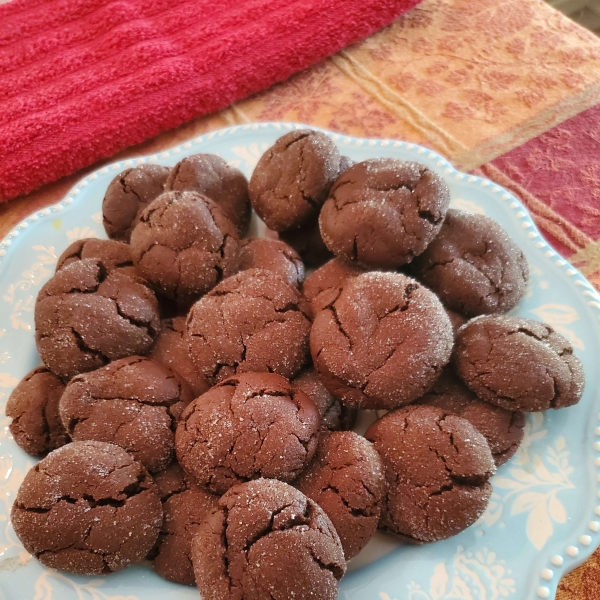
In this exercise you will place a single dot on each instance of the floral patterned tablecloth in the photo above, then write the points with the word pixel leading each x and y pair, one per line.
pixel 509 89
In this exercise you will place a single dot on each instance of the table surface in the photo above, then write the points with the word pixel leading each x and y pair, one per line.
pixel 509 89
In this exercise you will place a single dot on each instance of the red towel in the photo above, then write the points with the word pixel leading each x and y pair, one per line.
pixel 83 79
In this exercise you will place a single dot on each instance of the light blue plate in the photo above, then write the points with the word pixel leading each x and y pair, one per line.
pixel 544 517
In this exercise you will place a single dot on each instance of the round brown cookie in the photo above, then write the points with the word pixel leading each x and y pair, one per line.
pixel 346 480
pixel 437 468
pixel 111 253
pixel 33 408
pixel 382 343
pixel 334 415
pixel 503 429
pixel 456 319
pixel 170 348
pixel 383 212
pixel 86 317
pixel 87 508
pixel 185 505
pixel 324 286
pixel 267 540
pixel 272 255
pixel 127 196
pixel 249 426
pixel 133 403
pixel 473 265
pixel 253 321
pixel 210 175
pixel 306 240
pixel 293 177
pixel 518 364
pixel 184 245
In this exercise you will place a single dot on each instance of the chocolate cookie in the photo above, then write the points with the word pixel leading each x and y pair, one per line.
pixel 503 429
pixel 111 253
pixel 86 317
pixel 133 403
pixel 293 177
pixel 334 415
pixel 306 240
pixel 272 255
pixel 185 505
pixel 437 468
pixel 473 265
pixel 253 321
pixel 33 408
pixel 346 480
pixel 383 212
pixel 87 508
pixel 518 364
pixel 249 426
pixel 382 343
pixel 127 196
pixel 184 245
pixel 324 286
pixel 210 175
pixel 267 540
pixel 171 350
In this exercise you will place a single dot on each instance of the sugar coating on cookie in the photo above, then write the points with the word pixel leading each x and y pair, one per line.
pixel 86 317
pixel 518 364
pixel 87 508
pixel 185 506
pixel 334 415
pixel 503 429
pixel 111 253
pixel 210 175
pixel 267 540
pixel 33 407
pixel 473 265
pixel 382 343
pixel 383 212
pixel 133 402
pixel 249 426
pixel 170 349
pixel 437 468
pixel 127 196
pixel 272 255
pixel 184 245
pixel 253 321
pixel 293 177
pixel 346 479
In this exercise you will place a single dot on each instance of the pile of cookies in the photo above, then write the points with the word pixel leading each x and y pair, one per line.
pixel 197 398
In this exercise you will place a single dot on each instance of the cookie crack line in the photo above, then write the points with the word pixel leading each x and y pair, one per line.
pixel 81 344
pixel 333 568
pixel 355 512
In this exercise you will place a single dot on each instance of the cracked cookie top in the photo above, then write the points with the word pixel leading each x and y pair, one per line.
pixel 293 177
pixel 503 429
pixel 87 508
pixel 334 415
pixel 252 321
pixel 382 343
pixel 33 407
pixel 437 468
pixel 170 348
pixel 249 426
pixel 346 480
pixel 210 175
pixel 133 402
pixel 86 317
pixel 111 253
pixel 518 364
pixel 184 245
pixel 127 196
pixel 383 212
pixel 473 265
pixel 272 255
pixel 185 505
pixel 267 540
